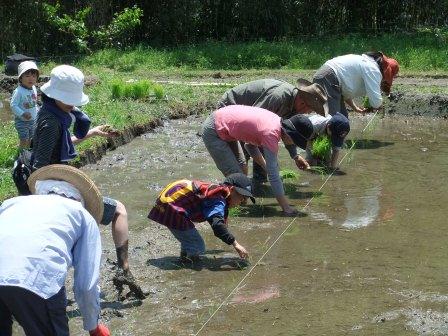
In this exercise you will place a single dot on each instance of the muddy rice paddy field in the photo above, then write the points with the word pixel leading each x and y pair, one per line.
pixel 366 255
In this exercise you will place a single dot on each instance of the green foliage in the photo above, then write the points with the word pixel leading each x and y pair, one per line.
pixel 74 26
pixel 321 147
pixel 118 32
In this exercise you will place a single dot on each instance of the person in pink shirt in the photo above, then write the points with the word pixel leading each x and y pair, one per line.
pixel 226 127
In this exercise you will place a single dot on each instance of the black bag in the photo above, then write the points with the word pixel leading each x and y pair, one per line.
pixel 21 171
pixel 12 63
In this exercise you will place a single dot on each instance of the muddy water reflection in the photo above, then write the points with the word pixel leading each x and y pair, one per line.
pixel 368 258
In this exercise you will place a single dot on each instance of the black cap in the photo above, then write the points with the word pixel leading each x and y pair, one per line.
pixel 339 127
pixel 299 128
pixel 241 183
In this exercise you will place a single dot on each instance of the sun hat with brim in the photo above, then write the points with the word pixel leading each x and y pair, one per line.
pixel 241 183
pixel 66 84
pixel 25 66
pixel 313 95
pixel 339 127
pixel 93 200
pixel 299 128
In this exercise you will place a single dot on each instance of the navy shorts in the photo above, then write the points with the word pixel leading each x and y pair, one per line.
pixel 110 207
pixel 37 316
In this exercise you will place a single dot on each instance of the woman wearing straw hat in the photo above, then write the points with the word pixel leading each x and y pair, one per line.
pixel 281 98
pixel 53 143
pixel 37 248
pixel 350 76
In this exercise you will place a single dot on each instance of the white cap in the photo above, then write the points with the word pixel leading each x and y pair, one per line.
pixel 66 85
pixel 25 66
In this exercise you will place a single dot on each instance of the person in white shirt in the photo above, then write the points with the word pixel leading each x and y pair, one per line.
pixel 350 76
pixel 24 102
pixel 336 127
pixel 41 237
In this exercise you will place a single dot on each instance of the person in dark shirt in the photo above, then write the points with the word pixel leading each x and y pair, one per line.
pixel 185 202
pixel 53 143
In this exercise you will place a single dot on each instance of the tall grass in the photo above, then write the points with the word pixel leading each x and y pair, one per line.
pixel 8 144
pixel 418 52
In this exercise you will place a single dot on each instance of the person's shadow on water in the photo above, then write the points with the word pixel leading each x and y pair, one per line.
pixel 214 263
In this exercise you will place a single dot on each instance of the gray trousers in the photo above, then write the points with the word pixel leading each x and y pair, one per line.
pixel 228 155
pixel 326 77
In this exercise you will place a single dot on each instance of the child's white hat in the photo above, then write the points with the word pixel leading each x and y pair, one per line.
pixel 25 66
pixel 66 84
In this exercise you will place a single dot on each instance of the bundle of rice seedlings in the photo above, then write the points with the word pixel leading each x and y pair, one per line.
pixel 288 174
pixel 321 147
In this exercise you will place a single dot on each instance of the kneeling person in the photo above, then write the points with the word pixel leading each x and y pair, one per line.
pixel 183 203
pixel 41 236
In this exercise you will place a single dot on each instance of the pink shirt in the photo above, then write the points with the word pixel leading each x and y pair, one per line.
pixel 249 124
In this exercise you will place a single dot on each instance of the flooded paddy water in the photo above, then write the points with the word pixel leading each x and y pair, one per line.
pixel 367 255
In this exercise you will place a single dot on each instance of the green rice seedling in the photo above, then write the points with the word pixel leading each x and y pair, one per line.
pixel 117 89
pixel 366 103
pixel 140 89
pixel 235 212
pixel 159 92
pixel 321 147
pixel 288 174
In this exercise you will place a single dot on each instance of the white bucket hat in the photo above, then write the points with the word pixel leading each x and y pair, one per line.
pixel 66 84
pixel 25 66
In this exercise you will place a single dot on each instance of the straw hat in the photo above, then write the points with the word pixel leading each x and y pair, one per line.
pixel 92 197
pixel 313 95
pixel 66 85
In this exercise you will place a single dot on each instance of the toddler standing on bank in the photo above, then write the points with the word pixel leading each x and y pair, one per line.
pixel 24 102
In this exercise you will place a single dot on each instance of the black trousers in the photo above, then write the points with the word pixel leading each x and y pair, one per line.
pixel 37 316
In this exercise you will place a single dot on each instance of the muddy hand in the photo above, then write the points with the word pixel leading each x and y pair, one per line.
pixel 125 278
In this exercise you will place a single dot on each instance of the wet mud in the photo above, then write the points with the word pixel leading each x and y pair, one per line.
pixel 367 255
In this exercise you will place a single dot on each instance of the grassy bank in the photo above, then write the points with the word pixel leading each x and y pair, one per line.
pixel 236 63
pixel 416 53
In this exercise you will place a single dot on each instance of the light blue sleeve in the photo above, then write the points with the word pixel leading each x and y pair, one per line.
pixel 86 261
pixel 15 103
pixel 213 207
pixel 273 172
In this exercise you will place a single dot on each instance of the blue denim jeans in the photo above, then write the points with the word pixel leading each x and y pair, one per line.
pixel 190 241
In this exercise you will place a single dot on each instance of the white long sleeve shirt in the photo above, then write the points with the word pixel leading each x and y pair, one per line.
pixel 358 75
pixel 41 236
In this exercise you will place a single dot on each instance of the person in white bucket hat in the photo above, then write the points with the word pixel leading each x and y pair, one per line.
pixel 53 143
pixel 41 237
pixel 24 102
